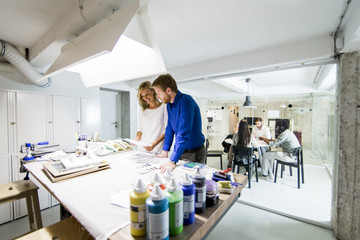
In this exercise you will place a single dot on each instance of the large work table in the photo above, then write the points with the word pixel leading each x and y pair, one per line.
pixel 88 198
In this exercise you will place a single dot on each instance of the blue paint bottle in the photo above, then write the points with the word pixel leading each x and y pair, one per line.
pixel 157 214
pixel 200 191
pixel 189 199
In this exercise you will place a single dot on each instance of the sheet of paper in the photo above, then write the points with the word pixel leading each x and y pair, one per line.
pixel 139 143
pixel 121 199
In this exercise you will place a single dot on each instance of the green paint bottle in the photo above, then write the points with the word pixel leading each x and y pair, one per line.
pixel 176 213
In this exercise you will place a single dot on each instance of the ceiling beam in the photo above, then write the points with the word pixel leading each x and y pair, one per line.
pixel 320 48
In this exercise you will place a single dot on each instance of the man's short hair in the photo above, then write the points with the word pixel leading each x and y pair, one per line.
pixel 165 81
pixel 259 119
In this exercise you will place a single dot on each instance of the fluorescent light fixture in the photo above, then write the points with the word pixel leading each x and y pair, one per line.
pixel 128 60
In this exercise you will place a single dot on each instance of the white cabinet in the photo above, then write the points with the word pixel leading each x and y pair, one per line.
pixel 31 118
pixel 5 157
pixel 5 209
pixel 36 117
pixel 65 120
pixel 31 126
pixel 4 137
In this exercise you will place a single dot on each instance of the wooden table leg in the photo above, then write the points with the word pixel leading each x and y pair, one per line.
pixel 30 211
pixel 37 211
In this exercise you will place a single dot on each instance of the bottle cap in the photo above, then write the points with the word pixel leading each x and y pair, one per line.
pixel 139 186
pixel 157 178
pixel 197 173
pixel 157 194
pixel 167 175
pixel 186 181
pixel 173 185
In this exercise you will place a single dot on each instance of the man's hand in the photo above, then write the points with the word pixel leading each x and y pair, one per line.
pixel 168 164
pixel 163 154
pixel 265 140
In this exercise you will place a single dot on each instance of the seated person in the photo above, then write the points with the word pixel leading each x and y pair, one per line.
pixel 260 130
pixel 288 142
pixel 242 138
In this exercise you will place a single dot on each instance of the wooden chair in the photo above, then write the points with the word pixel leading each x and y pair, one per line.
pixel 213 153
pixel 24 189
pixel 299 164
pixel 252 162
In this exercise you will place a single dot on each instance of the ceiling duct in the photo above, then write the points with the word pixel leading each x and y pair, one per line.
pixel 22 65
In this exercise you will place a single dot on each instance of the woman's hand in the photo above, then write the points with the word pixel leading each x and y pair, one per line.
pixel 150 148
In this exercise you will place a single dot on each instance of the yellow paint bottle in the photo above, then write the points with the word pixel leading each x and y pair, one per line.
pixel 138 208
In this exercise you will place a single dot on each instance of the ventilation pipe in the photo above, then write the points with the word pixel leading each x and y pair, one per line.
pixel 19 62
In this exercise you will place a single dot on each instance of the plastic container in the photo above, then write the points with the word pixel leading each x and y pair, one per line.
pixel 157 178
pixel 176 214
pixel 157 212
pixel 200 191
pixel 188 188
pixel 138 208
pixel 212 196
pixel 167 175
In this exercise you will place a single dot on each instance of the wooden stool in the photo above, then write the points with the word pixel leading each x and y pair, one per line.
pixel 67 229
pixel 23 189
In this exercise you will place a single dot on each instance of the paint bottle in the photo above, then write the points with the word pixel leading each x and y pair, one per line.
pixel 176 214
pixel 188 188
pixel 157 178
pixel 200 191
pixel 157 214
pixel 167 175
pixel 138 208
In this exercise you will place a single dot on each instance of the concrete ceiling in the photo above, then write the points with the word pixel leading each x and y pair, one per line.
pixel 204 44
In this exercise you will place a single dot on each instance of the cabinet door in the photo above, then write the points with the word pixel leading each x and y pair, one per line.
pixel 64 121
pixel 4 137
pixel 31 121
pixel 31 127
pixel 5 177
pixel 90 116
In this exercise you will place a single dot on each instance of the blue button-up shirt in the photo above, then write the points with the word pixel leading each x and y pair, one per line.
pixel 184 120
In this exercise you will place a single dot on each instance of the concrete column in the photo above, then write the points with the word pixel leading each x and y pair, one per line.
pixel 346 187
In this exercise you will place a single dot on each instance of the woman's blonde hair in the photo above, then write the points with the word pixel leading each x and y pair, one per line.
pixel 142 103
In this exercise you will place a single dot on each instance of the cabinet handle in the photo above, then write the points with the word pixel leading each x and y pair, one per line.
pixel 77 121
pixel 13 123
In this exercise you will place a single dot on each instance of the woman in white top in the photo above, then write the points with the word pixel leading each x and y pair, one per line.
pixel 242 138
pixel 152 119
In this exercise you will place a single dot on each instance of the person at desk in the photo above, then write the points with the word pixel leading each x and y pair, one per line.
pixel 184 121
pixel 260 130
pixel 288 142
pixel 152 119
pixel 242 138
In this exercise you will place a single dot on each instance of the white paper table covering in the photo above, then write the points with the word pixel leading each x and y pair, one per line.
pixel 88 197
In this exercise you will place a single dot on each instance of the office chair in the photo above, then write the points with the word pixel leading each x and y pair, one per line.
pixel 245 153
pixel 299 164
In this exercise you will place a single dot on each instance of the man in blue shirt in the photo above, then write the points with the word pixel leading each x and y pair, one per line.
pixel 184 120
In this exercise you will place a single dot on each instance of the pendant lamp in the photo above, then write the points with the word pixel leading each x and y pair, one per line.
pixel 248 102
